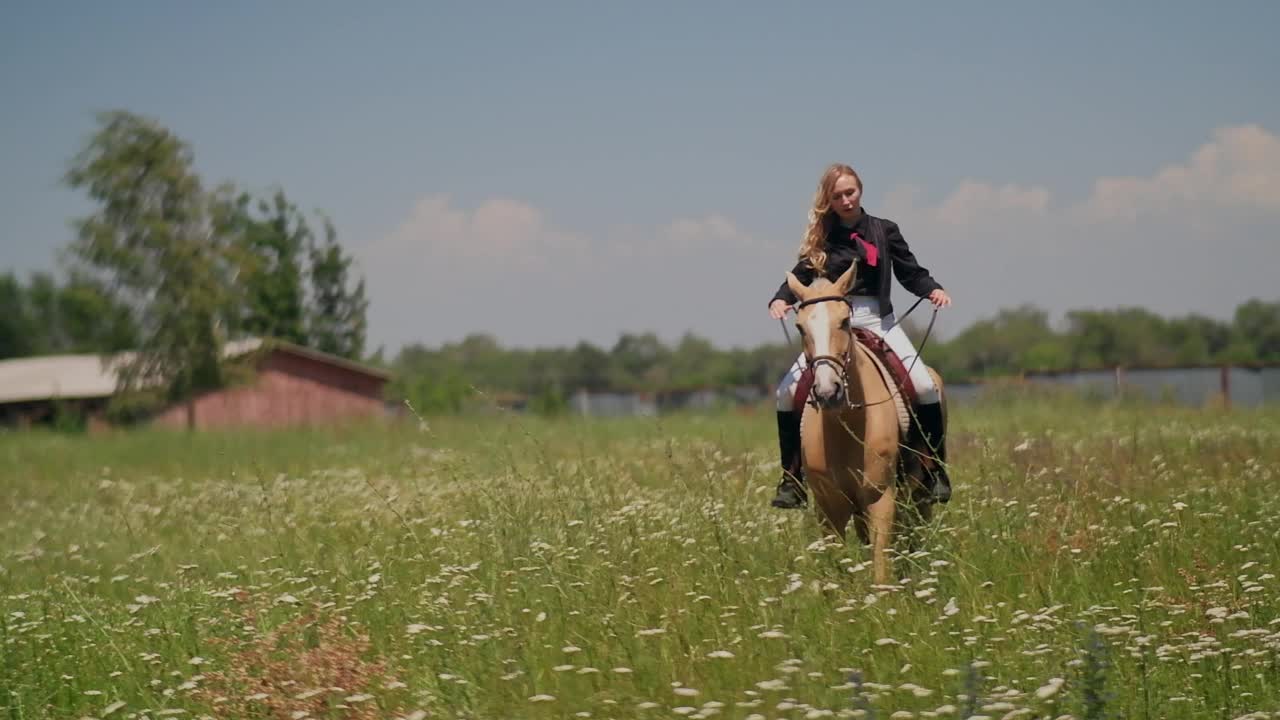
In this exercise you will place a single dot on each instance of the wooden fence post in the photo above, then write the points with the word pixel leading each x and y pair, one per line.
pixel 1224 384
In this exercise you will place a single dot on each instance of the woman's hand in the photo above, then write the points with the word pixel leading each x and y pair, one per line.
pixel 778 309
pixel 939 298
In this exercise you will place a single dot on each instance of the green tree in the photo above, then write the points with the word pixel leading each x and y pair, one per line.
pixel 587 368
pixel 270 237
pixel 637 362
pixel 1257 327
pixel 153 234
pixel 44 317
pixel 1196 339
pixel 19 334
pixel 1124 336
pixel 1016 339
pixel 42 307
pixel 336 316
pixel 87 319
pixel 696 363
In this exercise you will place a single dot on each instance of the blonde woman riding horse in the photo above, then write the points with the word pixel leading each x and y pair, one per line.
pixel 840 234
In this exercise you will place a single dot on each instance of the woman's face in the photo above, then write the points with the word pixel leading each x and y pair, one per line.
pixel 846 198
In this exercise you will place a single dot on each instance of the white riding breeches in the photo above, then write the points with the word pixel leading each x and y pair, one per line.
pixel 866 314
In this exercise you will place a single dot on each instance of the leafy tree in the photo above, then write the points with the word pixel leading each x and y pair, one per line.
pixel 87 319
pixel 270 237
pixel 336 317
pixel 1015 339
pixel 1257 327
pixel 636 360
pixel 1125 336
pixel 153 235
pixel 18 332
pixel 1196 339
pixel 79 316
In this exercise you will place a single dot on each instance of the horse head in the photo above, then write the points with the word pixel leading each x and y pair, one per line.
pixel 824 321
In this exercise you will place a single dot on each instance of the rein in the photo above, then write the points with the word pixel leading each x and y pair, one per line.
pixel 843 362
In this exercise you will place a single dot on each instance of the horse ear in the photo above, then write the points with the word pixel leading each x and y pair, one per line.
pixel 846 280
pixel 797 287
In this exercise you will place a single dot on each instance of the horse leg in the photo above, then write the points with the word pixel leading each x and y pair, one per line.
pixel 880 521
pixel 917 506
pixel 834 509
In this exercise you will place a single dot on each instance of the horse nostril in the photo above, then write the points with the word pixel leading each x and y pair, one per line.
pixel 829 397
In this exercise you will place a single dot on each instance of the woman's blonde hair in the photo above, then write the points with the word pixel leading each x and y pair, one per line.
pixel 821 216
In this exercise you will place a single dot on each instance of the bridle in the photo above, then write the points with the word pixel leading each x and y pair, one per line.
pixel 840 363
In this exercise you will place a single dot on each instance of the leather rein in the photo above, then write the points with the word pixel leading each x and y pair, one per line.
pixel 842 363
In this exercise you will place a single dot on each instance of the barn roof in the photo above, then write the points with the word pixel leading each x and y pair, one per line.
pixel 93 376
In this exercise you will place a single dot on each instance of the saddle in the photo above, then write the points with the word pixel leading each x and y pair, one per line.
pixel 891 368
pixel 890 359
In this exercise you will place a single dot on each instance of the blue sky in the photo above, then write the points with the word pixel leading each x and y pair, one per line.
pixel 549 172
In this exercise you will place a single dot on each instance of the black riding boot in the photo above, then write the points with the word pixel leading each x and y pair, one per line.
pixel 933 432
pixel 791 492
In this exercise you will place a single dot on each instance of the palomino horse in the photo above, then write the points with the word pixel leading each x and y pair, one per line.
pixel 851 441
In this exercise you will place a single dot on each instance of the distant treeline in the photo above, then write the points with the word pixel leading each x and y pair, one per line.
pixel 1022 340
pixel 447 378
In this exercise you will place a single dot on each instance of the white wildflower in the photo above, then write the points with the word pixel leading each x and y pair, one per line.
pixel 1050 689
pixel 686 692
pixel 771 685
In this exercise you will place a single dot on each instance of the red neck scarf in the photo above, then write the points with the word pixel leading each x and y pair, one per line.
pixel 873 255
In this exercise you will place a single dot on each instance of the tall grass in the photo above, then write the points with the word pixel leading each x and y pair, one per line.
pixel 1095 562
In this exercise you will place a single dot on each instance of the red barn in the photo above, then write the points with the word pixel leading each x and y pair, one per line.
pixel 291 385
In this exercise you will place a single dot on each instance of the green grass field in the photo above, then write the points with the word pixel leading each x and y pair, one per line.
pixel 1096 562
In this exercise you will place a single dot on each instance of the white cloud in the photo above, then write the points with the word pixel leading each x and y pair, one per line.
pixel 504 267
pixel 714 230
pixel 678 239
pixel 972 201
pixel 500 232
pixel 1194 236
pixel 1238 169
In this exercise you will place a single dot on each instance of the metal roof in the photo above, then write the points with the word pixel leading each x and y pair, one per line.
pixel 55 376
pixel 76 376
